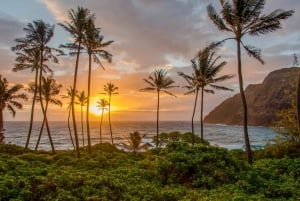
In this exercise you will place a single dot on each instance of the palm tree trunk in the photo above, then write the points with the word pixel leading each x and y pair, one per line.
pixel 72 100
pixel 157 119
pixel 88 105
pixel 244 102
pixel 41 130
pixel 1 126
pixel 101 126
pixel 201 116
pixel 70 132
pixel 112 139
pixel 193 116
pixel 82 126
pixel 42 105
pixel 32 107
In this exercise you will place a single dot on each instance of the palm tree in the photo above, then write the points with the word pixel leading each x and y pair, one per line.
pixel 8 99
pixel 30 59
pixel 110 89
pixel 82 100
pixel 102 104
pixel 135 142
pixel 159 82
pixel 76 27
pixel 241 18
pixel 94 45
pixel 38 35
pixel 69 96
pixel 49 90
pixel 205 70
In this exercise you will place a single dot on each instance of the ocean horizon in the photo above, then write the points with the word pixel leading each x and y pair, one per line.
pixel 227 136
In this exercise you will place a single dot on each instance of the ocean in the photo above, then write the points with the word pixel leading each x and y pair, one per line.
pixel 230 137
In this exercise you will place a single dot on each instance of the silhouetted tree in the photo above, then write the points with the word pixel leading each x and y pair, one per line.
pixel 8 100
pixel 159 82
pixel 241 18
pixel 82 100
pixel 102 104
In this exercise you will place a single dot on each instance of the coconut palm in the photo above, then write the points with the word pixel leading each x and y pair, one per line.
pixel 8 100
pixel 82 100
pixel 69 96
pixel 94 46
pixel 102 104
pixel 30 59
pixel 76 27
pixel 135 142
pixel 159 82
pixel 205 70
pixel 50 89
pixel 38 35
pixel 110 89
pixel 241 18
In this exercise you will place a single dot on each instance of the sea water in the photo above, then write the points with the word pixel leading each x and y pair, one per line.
pixel 228 136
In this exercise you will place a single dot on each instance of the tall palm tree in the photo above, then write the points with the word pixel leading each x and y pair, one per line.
pixel 50 89
pixel 76 27
pixel 82 100
pixel 69 96
pixel 102 104
pixel 110 89
pixel 30 59
pixel 38 35
pixel 94 45
pixel 159 82
pixel 205 70
pixel 8 99
pixel 241 18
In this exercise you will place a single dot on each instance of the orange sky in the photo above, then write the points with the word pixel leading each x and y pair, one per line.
pixel 148 35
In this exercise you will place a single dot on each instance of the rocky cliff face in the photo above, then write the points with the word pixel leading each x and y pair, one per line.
pixel 263 100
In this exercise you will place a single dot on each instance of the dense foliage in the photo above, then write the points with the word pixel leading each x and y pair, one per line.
pixel 177 172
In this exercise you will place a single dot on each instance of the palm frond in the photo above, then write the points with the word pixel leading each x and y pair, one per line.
pixel 217 20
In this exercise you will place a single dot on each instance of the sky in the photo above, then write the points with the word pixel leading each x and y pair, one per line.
pixel 147 35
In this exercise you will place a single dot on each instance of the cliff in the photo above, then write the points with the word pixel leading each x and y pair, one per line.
pixel 263 100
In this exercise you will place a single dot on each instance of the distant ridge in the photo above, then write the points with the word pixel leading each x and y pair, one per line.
pixel 263 100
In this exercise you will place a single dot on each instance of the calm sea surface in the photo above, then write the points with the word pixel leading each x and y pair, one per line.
pixel 230 137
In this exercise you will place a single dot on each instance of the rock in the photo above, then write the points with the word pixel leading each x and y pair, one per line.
pixel 263 100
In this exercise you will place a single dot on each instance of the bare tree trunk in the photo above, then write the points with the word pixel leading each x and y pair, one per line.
pixel 70 132
pixel 101 126
pixel 32 107
pixel 111 135
pixel 201 116
pixel 193 116
pixel 157 120
pixel 244 102
pixel 72 101
pixel 81 112
pixel 41 130
pixel 88 105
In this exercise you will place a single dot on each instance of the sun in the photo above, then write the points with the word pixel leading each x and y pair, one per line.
pixel 95 110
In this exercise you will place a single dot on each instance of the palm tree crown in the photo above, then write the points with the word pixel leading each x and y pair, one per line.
pixel 8 99
pixel 241 18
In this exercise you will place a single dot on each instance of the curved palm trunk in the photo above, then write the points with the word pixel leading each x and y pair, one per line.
pixel 193 116
pixel 72 101
pixel 157 119
pixel 41 129
pixel 112 139
pixel 70 132
pixel 201 116
pixel 1 126
pixel 244 102
pixel 32 108
pixel 101 126
pixel 82 125
pixel 42 105
pixel 88 105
